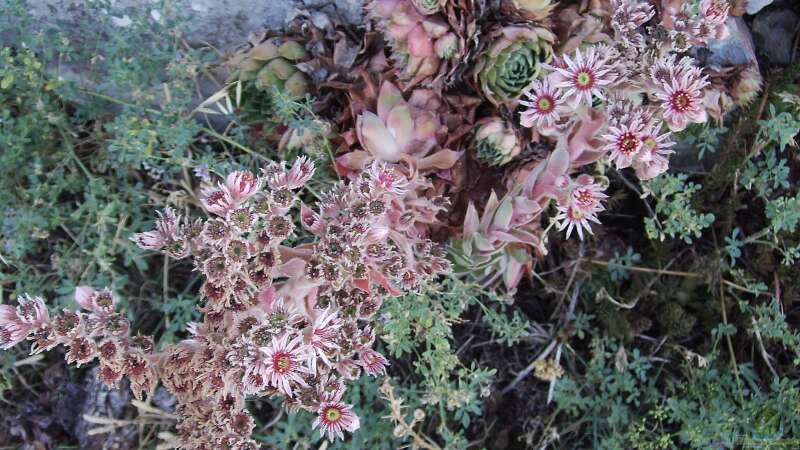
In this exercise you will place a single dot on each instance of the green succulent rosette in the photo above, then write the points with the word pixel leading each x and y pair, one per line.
pixel 496 143
pixel 272 64
pixel 512 61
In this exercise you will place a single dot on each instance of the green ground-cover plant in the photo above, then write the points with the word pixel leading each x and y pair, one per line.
pixel 679 334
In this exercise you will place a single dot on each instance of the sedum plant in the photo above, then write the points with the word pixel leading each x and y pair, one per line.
pixel 674 214
pixel 293 322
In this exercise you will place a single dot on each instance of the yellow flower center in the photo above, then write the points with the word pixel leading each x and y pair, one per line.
pixel 332 414
pixel 583 79
pixel 544 104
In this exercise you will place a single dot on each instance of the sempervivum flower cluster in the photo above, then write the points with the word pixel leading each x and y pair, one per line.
pixel 301 338
pixel 293 322
pixel 97 332
pixel 689 23
pixel 620 99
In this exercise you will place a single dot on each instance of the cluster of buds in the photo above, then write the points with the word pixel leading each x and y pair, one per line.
pixel 684 24
pixel 96 332
pixel 293 322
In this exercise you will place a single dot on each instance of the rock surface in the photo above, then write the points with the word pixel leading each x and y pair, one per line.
pixel 754 6
pixel 222 23
pixel 736 49
pixel 774 30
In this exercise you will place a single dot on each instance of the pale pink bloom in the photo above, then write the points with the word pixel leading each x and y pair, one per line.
pixel 587 195
pixel 333 417
pixel 618 108
pixel 383 178
pixel 376 232
pixel 348 368
pixel 279 178
pixel 715 11
pixel 544 102
pixel 12 329
pixel 630 14
pixel 281 364
pixel 168 224
pixel 32 311
pixel 682 101
pixel 217 201
pixel 302 170
pixel 583 77
pixel 322 337
pixel 653 158
pixel 167 230
pixel 149 240
pixel 711 25
pixel 373 362
pixel 627 17
pixel 242 185
pixel 663 70
pixel 99 302
pixel 572 218
pixel 311 220
pixel 580 207
pixel 330 388
pixel 17 323
pixel 624 142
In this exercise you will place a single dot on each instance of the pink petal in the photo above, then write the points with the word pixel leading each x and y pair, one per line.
pixel 401 125
pixel 471 220
pixel 376 138
pixel 83 295
pixel 419 44
pixel 443 159
pixel 388 99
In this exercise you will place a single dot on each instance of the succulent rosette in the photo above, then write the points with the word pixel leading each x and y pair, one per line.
pixel 497 244
pixel 528 9
pixel 496 142
pixel 420 43
pixel 272 64
pixel 428 7
pixel 402 130
pixel 512 61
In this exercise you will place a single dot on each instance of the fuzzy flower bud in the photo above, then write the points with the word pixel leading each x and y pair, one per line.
pixel 242 185
pixel 217 201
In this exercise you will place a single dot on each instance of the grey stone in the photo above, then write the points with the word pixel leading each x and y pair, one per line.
pixel 737 49
pixel 754 6
pixel 774 31
pixel 224 24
